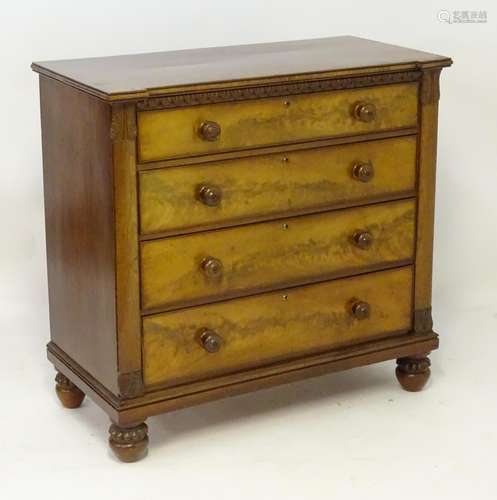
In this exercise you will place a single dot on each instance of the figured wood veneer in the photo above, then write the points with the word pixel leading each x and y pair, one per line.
pixel 275 326
pixel 262 122
pixel 275 184
pixel 275 254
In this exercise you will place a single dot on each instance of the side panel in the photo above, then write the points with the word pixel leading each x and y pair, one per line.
pixel 78 186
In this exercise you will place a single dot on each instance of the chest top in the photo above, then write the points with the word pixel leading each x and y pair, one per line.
pixel 137 76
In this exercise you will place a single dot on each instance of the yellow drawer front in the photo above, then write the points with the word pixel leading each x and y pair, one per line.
pixel 230 262
pixel 227 192
pixel 192 131
pixel 254 331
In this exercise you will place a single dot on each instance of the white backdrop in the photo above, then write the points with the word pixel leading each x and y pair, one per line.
pixel 348 434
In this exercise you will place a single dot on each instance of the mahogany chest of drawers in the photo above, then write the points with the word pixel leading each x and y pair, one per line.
pixel 222 220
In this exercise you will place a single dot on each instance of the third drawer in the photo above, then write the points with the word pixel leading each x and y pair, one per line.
pixel 219 264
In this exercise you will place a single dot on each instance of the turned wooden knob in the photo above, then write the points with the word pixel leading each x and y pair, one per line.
pixel 210 195
pixel 210 340
pixel 360 309
pixel 363 239
pixel 209 131
pixel 212 267
pixel 365 111
pixel 363 172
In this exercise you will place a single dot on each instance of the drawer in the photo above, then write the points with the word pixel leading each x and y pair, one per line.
pixel 212 128
pixel 224 192
pixel 231 262
pixel 206 341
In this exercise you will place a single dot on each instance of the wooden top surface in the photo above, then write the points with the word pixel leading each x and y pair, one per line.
pixel 141 75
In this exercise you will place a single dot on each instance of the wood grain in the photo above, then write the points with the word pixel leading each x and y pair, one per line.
pixel 125 77
pixel 269 185
pixel 274 254
pixel 281 148
pixel 427 161
pixel 247 124
pixel 270 327
pixel 78 188
pixel 127 267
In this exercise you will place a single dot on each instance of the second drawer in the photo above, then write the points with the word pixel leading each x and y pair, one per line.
pixel 226 192
pixel 232 262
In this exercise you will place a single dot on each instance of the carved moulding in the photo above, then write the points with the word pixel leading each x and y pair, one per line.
pixel 259 92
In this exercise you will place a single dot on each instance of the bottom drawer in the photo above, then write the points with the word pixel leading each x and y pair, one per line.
pixel 210 340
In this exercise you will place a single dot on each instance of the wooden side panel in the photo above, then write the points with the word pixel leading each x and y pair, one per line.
pixel 270 327
pixel 78 188
pixel 427 159
pixel 127 266
pixel 275 184
pixel 274 254
pixel 246 124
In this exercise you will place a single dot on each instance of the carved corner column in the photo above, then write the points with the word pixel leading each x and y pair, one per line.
pixel 123 136
pixel 429 94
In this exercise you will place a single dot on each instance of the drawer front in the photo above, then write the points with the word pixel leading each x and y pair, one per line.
pixel 229 336
pixel 213 128
pixel 229 262
pixel 230 191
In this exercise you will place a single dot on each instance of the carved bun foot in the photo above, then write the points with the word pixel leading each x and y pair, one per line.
pixel 129 444
pixel 413 372
pixel 69 395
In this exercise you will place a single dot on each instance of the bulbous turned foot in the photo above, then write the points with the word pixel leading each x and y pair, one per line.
pixel 69 395
pixel 129 444
pixel 413 372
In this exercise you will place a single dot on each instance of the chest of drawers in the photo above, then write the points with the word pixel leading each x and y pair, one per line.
pixel 223 220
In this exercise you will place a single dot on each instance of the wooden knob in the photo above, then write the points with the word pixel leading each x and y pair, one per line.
pixel 210 340
pixel 210 195
pixel 365 111
pixel 361 310
pixel 212 267
pixel 209 131
pixel 363 172
pixel 363 239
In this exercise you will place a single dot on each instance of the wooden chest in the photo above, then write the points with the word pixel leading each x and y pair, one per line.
pixel 222 220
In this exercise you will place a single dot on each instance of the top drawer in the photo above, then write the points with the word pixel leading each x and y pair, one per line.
pixel 213 128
